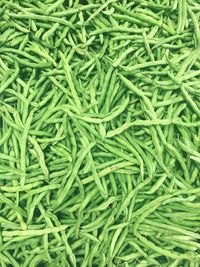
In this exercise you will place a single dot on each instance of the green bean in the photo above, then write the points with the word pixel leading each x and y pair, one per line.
pixel 135 153
pixel 146 43
pixel 100 10
pixel 157 184
pixel 69 79
pixel 105 86
pixel 8 157
pixel 21 53
pixel 5 137
pixel 11 79
pixel 173 228
pixel 89 236
pixel 195 158
pixel 71 11
pixel 96 177
pixel 70 181
pixel 36 49
pixel 54 6
pixel 34 232
pixel 23 146
pixel 190 101
pixel 40 156
pixel 114 29
pixel 106 118
pixel 40 17
pixel 69 250
pixel 145 65
pixel 152 5
pixel 95 224
pixel 130 257
pixel 139 123
pixel 4 199
pixel 117 62
pixel 50 32
pixel 105 204
pixel 7 33
pixel 20 187
pixel 195 23
pixel 107 171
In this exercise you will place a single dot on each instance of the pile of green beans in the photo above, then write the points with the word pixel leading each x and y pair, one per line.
pixel 99 133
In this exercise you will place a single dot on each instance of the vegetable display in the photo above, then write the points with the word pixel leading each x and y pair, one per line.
pixel 99 133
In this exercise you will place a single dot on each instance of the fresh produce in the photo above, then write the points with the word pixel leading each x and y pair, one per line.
pixel 99 133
